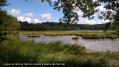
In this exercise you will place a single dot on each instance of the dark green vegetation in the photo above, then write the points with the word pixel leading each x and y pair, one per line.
pixel 8 23
pixel 75 38
pixel 48 26
pixel 3 3
pixel 89 35
pixel 12 51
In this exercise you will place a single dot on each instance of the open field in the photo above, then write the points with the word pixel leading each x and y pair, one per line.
pixel 14 50
pixel 90 35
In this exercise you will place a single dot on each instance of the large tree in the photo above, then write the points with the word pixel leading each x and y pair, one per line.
pixel 8 23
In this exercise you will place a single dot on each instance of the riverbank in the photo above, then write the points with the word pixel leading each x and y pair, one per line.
pixel 14 50
pixel 83 34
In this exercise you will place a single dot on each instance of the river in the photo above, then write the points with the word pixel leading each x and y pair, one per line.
pixel 97 45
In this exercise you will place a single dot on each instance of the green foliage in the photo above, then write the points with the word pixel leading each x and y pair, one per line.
pixel 75 38
pixel 76 50
pixel 12 51
pixel 69 6
pixel 3 3
pixel 8 24
pixel 45 26
pixel 113 15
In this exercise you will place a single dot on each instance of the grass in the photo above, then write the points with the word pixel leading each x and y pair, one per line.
pixel 87 35
pixel 34 35
pixel 16 51
pixel 75 38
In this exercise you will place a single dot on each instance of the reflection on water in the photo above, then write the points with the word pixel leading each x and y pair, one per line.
pixel 90 44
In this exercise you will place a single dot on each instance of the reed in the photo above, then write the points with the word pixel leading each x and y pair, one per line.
pixel 87 35
pixel 14 50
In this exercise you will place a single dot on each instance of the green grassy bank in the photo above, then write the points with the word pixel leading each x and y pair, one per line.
pixel 16 51
pixel 87 35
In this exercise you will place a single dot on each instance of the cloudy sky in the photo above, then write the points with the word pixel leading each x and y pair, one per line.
pixel 34 11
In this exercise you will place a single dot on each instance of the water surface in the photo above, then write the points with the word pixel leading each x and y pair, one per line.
pixel 89 44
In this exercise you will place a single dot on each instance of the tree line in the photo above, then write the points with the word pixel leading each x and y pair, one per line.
pixel 49 26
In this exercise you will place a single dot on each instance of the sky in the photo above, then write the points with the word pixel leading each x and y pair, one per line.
pixel 34 11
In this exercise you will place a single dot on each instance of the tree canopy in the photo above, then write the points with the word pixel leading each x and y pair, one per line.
pixel 53 26
pixel 113 17
pixel 69 8
pixel 3 3
pixel 8 23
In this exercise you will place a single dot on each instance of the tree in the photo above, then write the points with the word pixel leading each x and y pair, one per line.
pixel 8 23
pixel 69 8
pixel 3 3
pixel 112 5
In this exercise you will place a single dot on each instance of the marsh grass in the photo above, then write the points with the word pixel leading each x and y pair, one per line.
pixel 34 35
pixel 87 35
pixel 75 38
pixel 16 51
